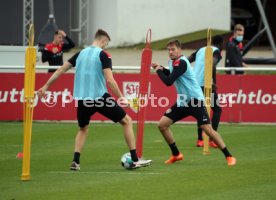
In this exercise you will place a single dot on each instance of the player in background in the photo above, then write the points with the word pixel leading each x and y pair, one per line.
pixel 93 71
pixel 190 102
pixel 234 49
pixel 199 58
pixel 53 52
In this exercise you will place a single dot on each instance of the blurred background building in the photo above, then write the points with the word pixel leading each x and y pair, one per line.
pixel 128 20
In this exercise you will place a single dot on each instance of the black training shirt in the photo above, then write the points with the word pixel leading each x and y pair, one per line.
pixel 104 57
pixel 169 78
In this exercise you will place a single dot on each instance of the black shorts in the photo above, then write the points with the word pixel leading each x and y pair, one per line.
pixel 214 99
pixel 105 105
pixel 194 108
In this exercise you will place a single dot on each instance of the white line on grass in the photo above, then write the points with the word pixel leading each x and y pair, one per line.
pixel 107 172
pixel 11 145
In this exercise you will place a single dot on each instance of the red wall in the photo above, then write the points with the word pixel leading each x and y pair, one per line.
pixel 253 97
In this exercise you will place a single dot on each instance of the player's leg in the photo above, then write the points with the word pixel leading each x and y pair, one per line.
pixel 113 111
pixel 199 142
pixel 172 115
pixel 126 122
pixel 216 117
pixel 116 113
pixel 216 112
pixel 164 128
pixel 80 138
pixel 79 143
pixel 213 135
pixel 84 112
pixel 219 141
pixel 200 113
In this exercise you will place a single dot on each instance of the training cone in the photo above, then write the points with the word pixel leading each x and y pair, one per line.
pixel 19 155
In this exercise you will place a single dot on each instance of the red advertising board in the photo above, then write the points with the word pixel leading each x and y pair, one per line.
pixel 246 98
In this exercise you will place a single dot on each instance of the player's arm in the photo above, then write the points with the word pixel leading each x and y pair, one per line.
pixel 107 70
pixel 62 69
pixel 165 70
pixel 192 57
pixel 108 74
pixel 70 44
pixel 179 68
pixel 111 82
pixel 216 58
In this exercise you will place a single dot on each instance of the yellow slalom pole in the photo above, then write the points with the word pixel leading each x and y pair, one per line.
pixel 29 86
pixel 208 84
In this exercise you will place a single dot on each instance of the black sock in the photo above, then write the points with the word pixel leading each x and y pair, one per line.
pixel 77 157
pixel 133 155
pixel 174 149
pixel 199 133
pixel 226 152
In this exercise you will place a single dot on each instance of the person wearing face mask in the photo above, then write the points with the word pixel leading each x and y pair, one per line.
pixel 234 50
pixel 53 52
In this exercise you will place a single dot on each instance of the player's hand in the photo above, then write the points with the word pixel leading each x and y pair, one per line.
pixel 62 33
pixel 158 67
pixel 124 102
pixel 244 64
pixel 41 92
pixel 154 65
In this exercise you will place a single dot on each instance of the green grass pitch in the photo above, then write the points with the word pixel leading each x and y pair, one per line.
pixel 102 177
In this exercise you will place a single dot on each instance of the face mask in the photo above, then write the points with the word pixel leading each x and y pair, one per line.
pixel 239 38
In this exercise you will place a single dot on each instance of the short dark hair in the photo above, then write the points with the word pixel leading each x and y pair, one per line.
pixel 100 33
pixel 217 40
pixel 175 42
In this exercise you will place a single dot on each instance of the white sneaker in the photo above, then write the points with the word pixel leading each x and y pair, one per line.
pixel 142 163
pixel 75 166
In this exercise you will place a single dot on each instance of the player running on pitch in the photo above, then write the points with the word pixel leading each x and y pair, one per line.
pixel 199 58
pixel 93 71
pixel 190 102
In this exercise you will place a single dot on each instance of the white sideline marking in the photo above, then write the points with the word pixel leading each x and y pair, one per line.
pixel 107 172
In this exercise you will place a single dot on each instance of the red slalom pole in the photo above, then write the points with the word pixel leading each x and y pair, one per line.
pixel 146 60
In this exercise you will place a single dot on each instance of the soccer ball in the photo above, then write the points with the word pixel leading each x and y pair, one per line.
pixel 126 161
